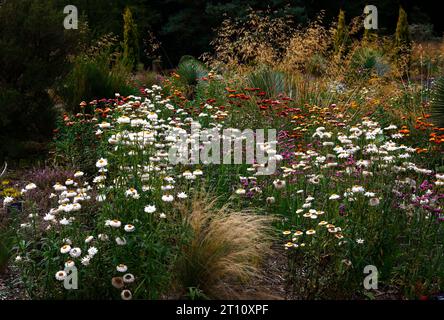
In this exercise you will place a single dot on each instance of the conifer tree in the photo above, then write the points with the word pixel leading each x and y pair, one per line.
pixel 402 36
pixel 341 36
pixel 131 51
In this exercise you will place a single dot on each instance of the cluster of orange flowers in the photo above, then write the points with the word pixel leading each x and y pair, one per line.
pixel 437 134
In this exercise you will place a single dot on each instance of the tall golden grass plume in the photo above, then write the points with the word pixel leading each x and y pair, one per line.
pixel 224 250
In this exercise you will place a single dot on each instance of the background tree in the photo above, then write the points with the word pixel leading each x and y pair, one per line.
pixel 33 50
pixel 131 51
pixel 341 35
pixel 402 35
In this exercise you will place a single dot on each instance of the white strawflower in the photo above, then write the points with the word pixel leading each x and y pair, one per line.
pixel 78 174
pixel 7 200
pixel 89 239
pixel 128 278
pixel 121 268
pixel 334 197
pixel 92 251
pixel 30 186
pixel 182 195
pixel 85 260
pixel 150 209
pixel 167 198
pixel 101 163
pixel 115 223
pixel 75 252
pixel 61 275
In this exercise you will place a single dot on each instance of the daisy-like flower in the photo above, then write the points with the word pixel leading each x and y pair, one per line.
pixel 85 260
pixel 240 191
pixel 129 228
pixel 286 232
pixel 103 237
pixel 198 172
pixel 357 189
pixel 334 197
pixel 92 251
pixel 132 193
pixel 182 195
pixel 101 163
pixel 65 249
pixel 69 182
pixel 279 184
pixel 167 187
pixel 123 120
pixel 115 223
pixel 64 222
pixel 298 233
pixel 30 186
pixel 104 125
pixel 270 200
pixel 126 295
pixel 128 278
pixel 69 264
pixel 75 252
pixel 7 200
pixel 61 275
pixel 150 209
pixel 162 216
pixel 122 268
pixel 78 174
pixel 289 245
pixel 120 241
pixel 152 116
pixel 373 202
pixel 89 239
pixel 59 187
pixel 117 282
pixel 310 232
pixel 167 198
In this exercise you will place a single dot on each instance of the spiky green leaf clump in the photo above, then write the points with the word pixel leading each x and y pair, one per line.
pixel 191 70
pixel 270 81
pixel 368 61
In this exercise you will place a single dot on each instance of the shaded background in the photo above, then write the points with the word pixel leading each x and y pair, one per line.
pixel 185 27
